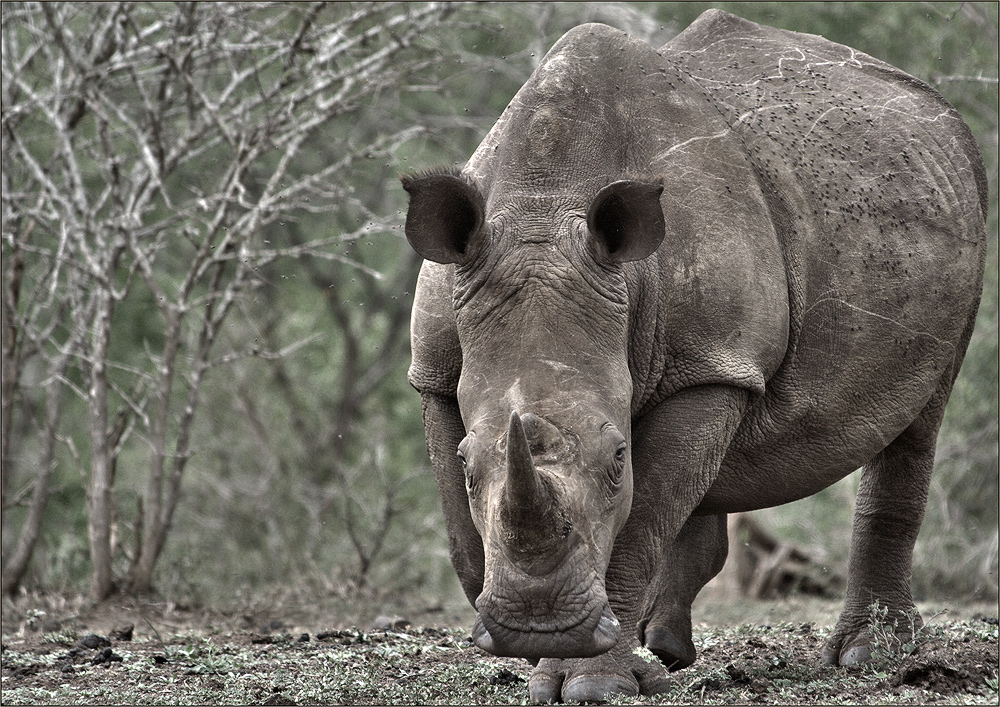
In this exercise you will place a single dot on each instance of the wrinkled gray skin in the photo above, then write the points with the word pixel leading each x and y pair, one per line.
pixel 674 285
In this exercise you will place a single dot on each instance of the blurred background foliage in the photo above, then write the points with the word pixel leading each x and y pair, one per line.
pixel 307 473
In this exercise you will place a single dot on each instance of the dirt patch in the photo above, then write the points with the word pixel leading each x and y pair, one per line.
pixel 160 655
pixel 948 669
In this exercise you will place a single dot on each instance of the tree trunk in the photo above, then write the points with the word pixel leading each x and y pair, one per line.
pixel 17 565
pixel 99 501
pixel 140 573
pixel 11 370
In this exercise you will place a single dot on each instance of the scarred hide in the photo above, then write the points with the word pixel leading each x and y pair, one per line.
pixel 675 284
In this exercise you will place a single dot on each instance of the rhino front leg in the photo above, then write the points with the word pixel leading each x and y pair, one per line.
pixel 656 567
pixel 619 671
pixel 887 517
pixel 444 431
pixel 692 559
pixel 680 448
pixel 697 555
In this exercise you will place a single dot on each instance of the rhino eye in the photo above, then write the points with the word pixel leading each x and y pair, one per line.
pixel 470 482
pixel 617 470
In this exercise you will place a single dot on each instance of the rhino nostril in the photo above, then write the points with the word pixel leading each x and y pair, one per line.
pixel 481 636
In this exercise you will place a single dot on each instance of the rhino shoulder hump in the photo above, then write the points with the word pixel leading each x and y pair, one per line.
pixel 712 26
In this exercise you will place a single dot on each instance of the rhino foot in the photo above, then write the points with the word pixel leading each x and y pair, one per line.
pixel 839 651
pixel 852 641
pixel 594 679
pixel 674 652
pixel 858 649
pixel 549 688
pixel 856 654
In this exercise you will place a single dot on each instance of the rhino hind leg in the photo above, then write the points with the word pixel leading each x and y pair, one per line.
pixel 697 555
pixel 887 517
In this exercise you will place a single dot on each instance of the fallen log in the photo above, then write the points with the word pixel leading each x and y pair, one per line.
pixel 762 566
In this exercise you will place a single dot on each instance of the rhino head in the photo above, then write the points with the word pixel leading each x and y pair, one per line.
pixel 541 228
pixel 541 309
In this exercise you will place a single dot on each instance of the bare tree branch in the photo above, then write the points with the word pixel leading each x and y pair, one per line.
pixel 112 115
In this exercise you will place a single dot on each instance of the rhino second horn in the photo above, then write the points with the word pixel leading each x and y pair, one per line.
pixel 544 439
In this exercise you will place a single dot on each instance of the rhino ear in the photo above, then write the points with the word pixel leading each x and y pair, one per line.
pixel 445 212
pixel 627 220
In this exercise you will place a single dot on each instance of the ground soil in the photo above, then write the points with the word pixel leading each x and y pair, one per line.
pixel 131 652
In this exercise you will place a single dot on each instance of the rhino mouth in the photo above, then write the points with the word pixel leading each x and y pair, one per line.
pixel 579 635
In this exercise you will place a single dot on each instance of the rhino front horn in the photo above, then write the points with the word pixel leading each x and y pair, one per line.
pixel 524 489
pixel 528 501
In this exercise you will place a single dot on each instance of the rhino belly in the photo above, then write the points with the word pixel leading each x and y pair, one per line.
pixel 843 397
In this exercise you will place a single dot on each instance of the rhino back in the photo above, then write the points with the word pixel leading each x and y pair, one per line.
pixel 825 227
pixel 877 191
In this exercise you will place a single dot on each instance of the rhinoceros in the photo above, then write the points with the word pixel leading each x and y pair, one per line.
pixel 679 283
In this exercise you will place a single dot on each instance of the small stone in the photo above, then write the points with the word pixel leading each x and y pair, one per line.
pixel 736 672
pixel 92 640
pixel 106 657
pixel 759 685
pixel 505 677
pixel 123 633
pixel 389 623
